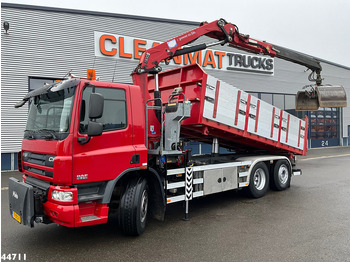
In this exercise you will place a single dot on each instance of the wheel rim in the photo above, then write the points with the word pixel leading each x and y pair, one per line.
pixel 283 174
pixel 259 179
pixel 144 206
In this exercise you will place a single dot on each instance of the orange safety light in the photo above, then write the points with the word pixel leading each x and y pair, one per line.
pixel 91 74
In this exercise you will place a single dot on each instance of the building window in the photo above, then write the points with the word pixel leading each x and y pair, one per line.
pixel 289 102
pixel 278 101
pixel 114 111
pixel 257 95
pixel 267 98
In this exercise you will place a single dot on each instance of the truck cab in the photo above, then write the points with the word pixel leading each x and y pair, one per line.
pixel 68 166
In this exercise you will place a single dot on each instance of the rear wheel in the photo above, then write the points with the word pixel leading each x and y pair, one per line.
pixel 259 180
pixel 281 175
pixel 134 207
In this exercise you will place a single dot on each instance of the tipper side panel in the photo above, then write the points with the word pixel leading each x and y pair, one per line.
pixel 241 121
pixel 257 120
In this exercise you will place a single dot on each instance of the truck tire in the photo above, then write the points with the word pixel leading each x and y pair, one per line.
pixel 259 180
pixel 281 175
pixel 134 207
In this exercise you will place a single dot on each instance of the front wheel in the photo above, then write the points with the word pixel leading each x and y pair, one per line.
pixel 134 207
pixel 259 180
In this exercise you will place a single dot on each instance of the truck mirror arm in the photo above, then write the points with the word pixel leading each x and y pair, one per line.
pixel 83 140
pixel 94 129
pixel 96 107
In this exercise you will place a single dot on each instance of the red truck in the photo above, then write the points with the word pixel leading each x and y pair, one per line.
pixel 95 149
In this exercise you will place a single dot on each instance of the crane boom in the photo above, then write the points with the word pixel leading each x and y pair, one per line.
pixel 227 33
pixel 220 30
pixel 298 58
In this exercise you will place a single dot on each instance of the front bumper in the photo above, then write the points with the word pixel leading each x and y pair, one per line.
pixel 30 202
pixel 84 214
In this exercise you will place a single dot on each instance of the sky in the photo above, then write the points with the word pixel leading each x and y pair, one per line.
pixel 318 28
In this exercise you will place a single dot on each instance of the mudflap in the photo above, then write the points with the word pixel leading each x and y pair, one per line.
pixel 21 201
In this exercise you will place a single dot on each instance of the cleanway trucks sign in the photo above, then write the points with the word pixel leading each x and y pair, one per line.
pixel 131 48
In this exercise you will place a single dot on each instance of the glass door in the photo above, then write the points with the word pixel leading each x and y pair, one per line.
pixel 324 127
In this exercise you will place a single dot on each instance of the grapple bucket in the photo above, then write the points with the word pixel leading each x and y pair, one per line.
pixel 331 96
pixel 326 96
pixel 303 102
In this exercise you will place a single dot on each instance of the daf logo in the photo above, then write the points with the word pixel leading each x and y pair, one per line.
pixel 14 194
pixel 51 159
pixel 84 176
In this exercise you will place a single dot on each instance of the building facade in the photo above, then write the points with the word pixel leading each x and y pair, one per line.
pixel 44 44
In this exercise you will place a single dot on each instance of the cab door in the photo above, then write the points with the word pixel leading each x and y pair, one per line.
pixel 103 157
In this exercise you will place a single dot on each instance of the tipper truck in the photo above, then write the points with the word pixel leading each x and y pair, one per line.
pixel 93 149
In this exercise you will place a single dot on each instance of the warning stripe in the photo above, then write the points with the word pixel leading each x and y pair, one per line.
pixel 306 119
pixel 287 128
pixel 273 121
pixel 189 184
pixel 216 98
pixel 237 106
pixel 247 113
pixel 257 116
pixel 280 126
pixel 299 133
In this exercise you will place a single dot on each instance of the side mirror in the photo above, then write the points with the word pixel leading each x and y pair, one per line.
pixel 94 129
pixel 96 106
pixel 95 111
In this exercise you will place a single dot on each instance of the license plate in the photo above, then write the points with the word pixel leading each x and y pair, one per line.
pixel 16 216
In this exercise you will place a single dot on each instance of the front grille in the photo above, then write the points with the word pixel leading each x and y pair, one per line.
pixel 38 171
pixel 38 159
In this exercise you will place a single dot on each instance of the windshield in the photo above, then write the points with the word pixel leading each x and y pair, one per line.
pixel 51 111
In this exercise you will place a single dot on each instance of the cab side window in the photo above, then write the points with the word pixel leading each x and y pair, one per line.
pixel 114 111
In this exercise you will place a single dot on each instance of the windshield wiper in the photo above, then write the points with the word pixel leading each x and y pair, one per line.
pixel 29 135
pixel 51 134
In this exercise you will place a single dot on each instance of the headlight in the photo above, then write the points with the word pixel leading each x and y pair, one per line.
pixel 62 196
